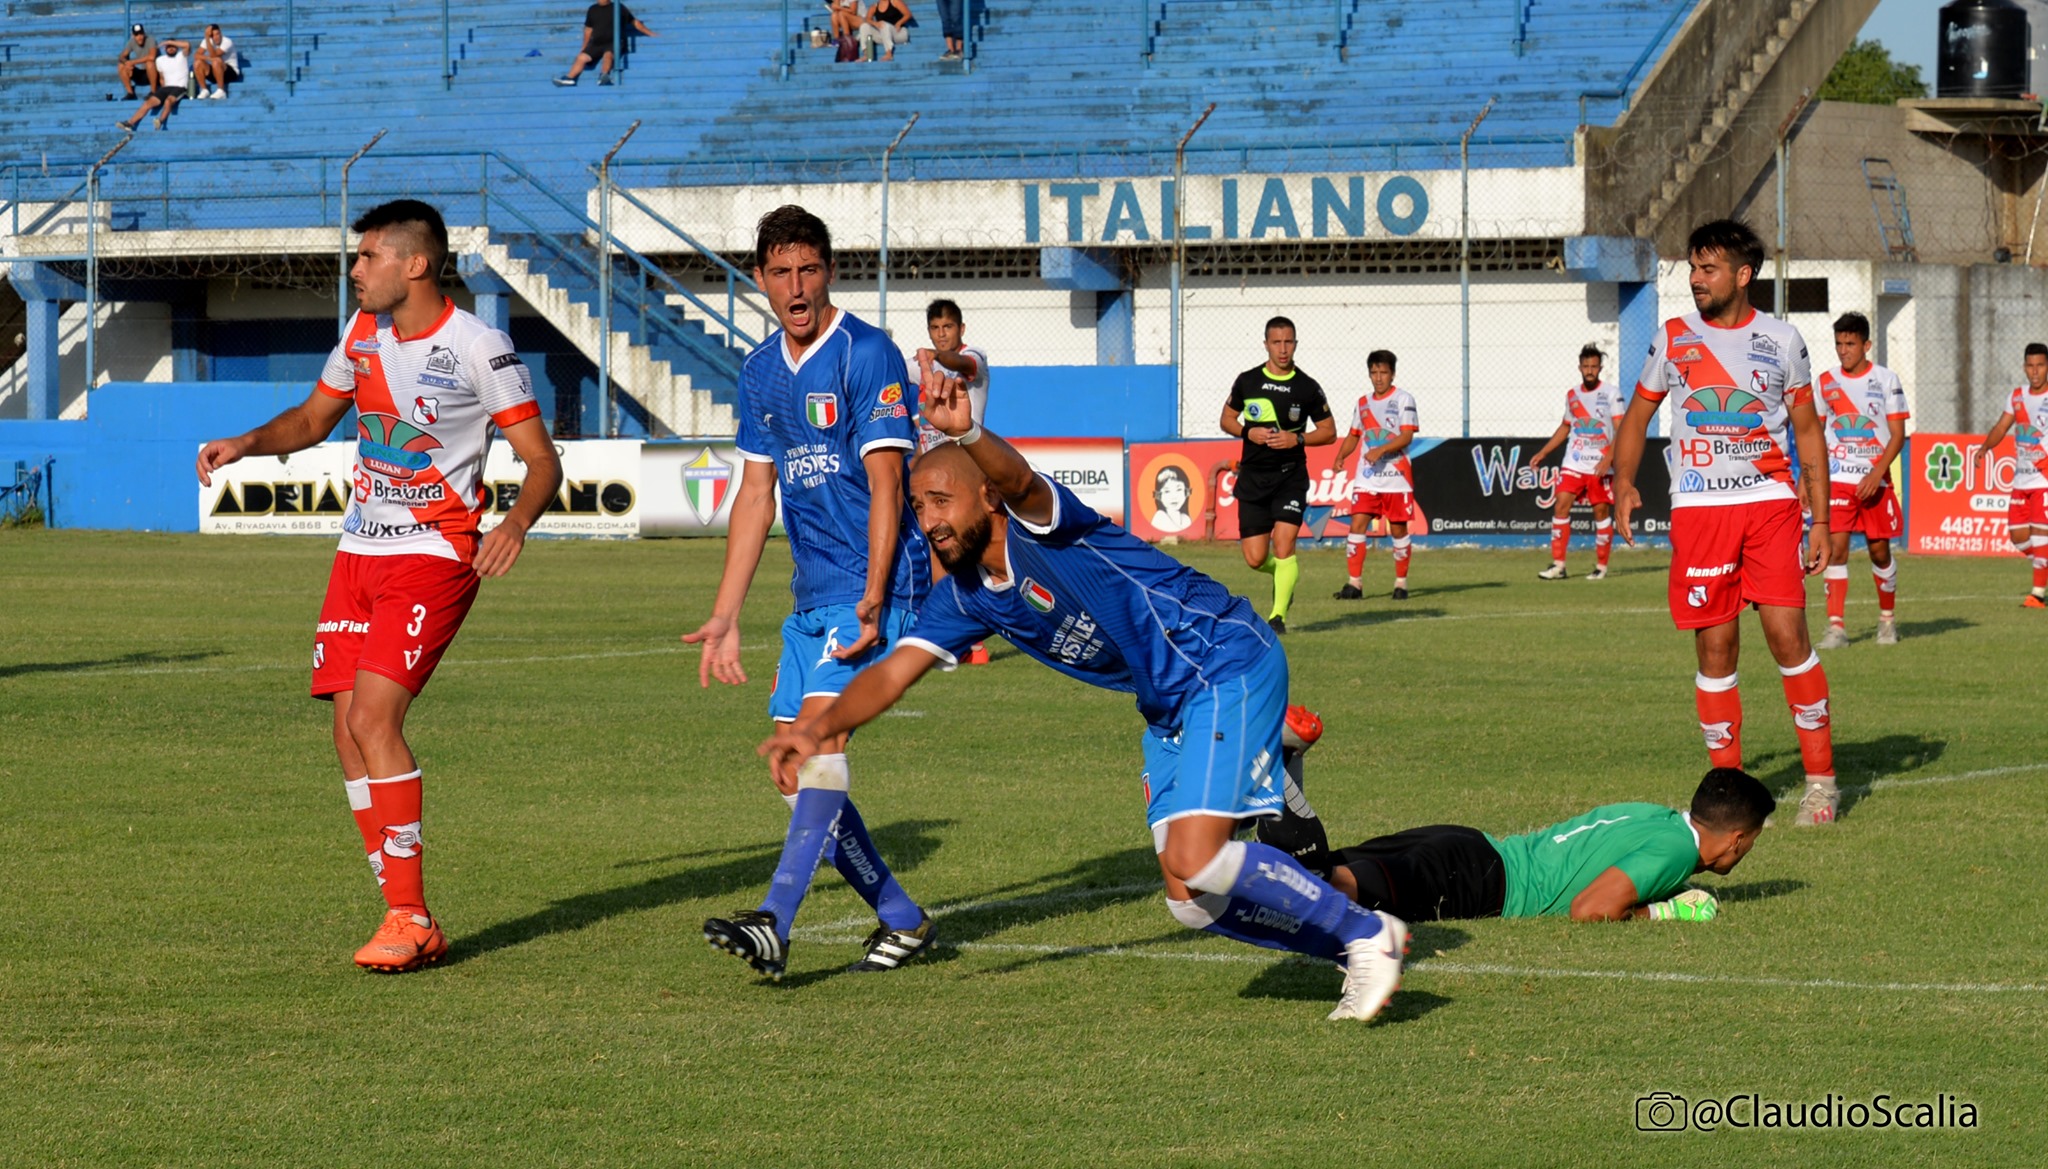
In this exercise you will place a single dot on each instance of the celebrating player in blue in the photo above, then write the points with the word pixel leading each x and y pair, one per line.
pixel 1028 560
pixel 824 413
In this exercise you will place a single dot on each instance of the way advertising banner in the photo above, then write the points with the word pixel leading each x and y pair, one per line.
pixel 1954 507
pixel 308 493
pixel 1463 487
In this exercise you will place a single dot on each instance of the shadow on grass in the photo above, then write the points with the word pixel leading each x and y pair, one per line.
pixel 1757 890
pixel 1856 763
pixel 1317 982
pixel 1934 628
pixel 138 658
pixel 905 844
pixel 1363 617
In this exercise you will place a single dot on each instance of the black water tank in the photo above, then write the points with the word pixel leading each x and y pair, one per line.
pixel 1983 50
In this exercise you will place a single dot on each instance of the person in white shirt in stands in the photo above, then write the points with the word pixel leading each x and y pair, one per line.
pixel 218 58
pixel 173 74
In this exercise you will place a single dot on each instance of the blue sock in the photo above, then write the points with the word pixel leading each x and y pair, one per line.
pixel 861 864
pixel 1243 921
pixel 1269 879
pixel 810 829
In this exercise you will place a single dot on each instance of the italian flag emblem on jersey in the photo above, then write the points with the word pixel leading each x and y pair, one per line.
pixel 1037 596
pixel 822 410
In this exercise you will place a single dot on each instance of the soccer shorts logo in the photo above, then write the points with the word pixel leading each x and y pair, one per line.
pixel 1718 734
pixel 319 654
pixel 1696 596
pixel 1810 716
pixel 402 840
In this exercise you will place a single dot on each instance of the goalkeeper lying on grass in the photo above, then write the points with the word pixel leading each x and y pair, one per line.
pixel 1615 862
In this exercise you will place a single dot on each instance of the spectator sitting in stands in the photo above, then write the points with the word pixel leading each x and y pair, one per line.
pixel 173 73
pixel 887 24
pixel 949 27
pixel 597 41
pixel 138 56
pixel 217 56
pixel 845 17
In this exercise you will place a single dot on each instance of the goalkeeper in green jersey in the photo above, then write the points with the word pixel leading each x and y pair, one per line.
pixel 1615 862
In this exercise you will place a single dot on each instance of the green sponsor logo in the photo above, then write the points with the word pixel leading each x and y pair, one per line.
pixel 1944 467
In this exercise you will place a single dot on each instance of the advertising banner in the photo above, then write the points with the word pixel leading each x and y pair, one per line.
pixel 309 492
pixel 1092 468
pixel 1464 487
pixel 1953 506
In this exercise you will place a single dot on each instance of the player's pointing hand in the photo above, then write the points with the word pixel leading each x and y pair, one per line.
pixel 720 637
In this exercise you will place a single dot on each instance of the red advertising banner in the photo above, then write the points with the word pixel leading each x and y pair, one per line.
pixel 1173 484
pixel 1953 506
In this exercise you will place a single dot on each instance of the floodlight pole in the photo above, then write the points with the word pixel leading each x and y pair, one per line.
pixel 1465 264
pixel 1180 169
pixel 341 280
pixel 92 265
pixel 1784 153
pixel 882 278
pixel 604 277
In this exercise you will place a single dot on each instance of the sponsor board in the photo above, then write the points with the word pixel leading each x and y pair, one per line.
pixel 308 493
pixel 1463 487
pixel 1091 468
pixel 1954 506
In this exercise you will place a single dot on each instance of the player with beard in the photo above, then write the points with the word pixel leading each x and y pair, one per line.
pixel 1738 380
pixel 1027 559
pixel 1591 409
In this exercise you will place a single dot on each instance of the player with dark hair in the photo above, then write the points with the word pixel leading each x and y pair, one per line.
pixel 1859 400
pixel 1383 424
pixel 954 358
pixel 2026 517
pixel 1278 410
pixel 824 414
pixel 1027 559
pixel 1616 862
pixel 428 382
pixel 1591 410
pixel 1738 380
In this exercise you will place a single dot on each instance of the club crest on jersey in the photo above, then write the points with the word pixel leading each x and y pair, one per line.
pixel 393 447
pixel 706 481
pixel 1037 596
pixel 891 394
pixel 822 410
pixel 426 411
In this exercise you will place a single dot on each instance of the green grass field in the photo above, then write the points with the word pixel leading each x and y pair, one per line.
pixel 183 889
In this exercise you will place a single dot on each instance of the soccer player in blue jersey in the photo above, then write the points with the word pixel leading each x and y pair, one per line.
pixel 1027 559
pixel 824 416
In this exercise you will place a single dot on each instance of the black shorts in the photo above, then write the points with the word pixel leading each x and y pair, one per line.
pixel 1436 873
pixel 1268 499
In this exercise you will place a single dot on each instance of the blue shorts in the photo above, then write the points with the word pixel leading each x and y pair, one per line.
pixel 1225 761
pixel 809 638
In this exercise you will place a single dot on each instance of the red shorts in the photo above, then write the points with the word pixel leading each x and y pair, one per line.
pixel 390 615
pixel 1877 519
pixel 1589 488
pixel 2027 509
pixel 1391 507
pixel 1723 557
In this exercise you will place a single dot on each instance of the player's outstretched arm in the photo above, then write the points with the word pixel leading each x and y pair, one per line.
pixel 1994 437
pixel 946 408
pixel 1812 445
pixel 1611 897
pixel 871 692
pixel 746 534
pixel 294 430
pixel 1557 438
pixel 501 545
pixel 1629 439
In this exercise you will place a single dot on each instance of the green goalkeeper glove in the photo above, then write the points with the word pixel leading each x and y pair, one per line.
pixel 1691 905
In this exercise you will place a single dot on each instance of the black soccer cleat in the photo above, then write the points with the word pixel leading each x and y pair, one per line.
pixel 1400 594
pixel 887 948
pixel 750 934
pixel 1349 592
pixel 1278 623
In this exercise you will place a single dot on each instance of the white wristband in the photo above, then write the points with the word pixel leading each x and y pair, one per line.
pixel 972 436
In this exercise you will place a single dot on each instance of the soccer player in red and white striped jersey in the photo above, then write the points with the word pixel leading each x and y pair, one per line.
pixel 1591 410
pixel 2026 517
pixel 1859 401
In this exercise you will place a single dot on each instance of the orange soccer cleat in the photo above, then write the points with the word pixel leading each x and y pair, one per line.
pixel 2033 602
pixel 1302 729
pixel 405 941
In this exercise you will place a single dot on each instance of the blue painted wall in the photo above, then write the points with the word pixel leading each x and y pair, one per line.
pixel 1131 402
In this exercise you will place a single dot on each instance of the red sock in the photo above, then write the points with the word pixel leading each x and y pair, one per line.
pixel 2040 559
pixel 395 809
pixel 366 823
pixel 1560 538
pixel 1837 576
pixel 1806 689
pixel 1603 541
pixel 1887 579
pixel 1401 554
pixel 1720 707
pixel 1354 555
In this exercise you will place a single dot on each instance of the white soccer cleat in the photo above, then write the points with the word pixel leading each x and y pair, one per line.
pixel 1887 631
pixel 1835 638
pixel 1598 573
pixel 1554 572
pixel 1372 970
pixel 1818 805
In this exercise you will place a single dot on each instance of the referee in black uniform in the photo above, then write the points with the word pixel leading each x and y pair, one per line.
pixel 1278 410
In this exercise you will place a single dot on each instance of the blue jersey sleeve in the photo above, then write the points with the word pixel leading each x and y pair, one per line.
pixel 1071 519
pixel 945 627
pixel 753 440
pixel 879 395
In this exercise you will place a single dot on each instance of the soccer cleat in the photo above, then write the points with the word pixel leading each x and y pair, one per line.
pixel 405 941
pixel 1278 623
pixel 1301 729
pixel 565 81
pixel 1887 631
pixel 1599 573
pixel 1835 638
pixel 1818 805
pixel 2034 601
pixel 887 948
pixel 1400 594
pixel 750 934
pixel 1556 571
pixel 1372 970
pixel 1349 592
